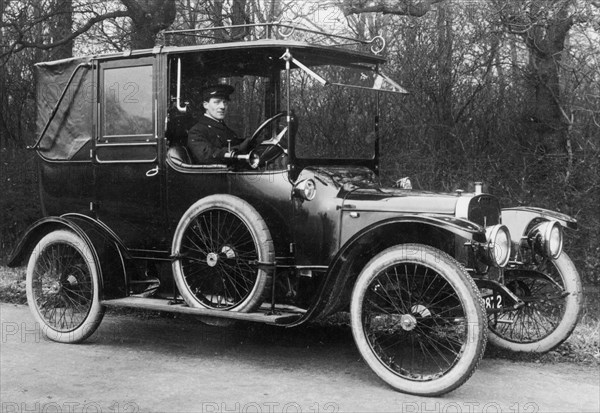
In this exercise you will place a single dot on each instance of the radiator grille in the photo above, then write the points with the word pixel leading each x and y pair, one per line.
pixel 484 210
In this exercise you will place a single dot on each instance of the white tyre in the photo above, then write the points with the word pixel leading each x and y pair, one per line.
pixel 222 248
pixel 418 319
pixel 553 298
pixel 63 287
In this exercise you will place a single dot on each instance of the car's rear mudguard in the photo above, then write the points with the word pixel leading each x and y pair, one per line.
pixel 108 250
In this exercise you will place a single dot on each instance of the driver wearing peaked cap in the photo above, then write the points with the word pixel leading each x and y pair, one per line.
pixel 217 91
pixel 208 139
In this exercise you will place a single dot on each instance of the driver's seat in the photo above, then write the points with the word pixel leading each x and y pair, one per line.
pixel 179 155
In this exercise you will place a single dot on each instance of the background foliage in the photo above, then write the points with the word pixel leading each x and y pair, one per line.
pixel 502 92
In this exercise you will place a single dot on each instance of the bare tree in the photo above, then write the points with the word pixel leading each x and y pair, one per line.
pixel 444 67
pixel 544 27
pixel 234 13
pixel 404 7
pixel 61 26
pixel 148 18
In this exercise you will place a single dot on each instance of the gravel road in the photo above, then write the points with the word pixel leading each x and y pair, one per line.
pixel 137 364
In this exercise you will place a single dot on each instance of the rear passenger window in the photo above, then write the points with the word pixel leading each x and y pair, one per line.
pixel 127 116
pixel 127 101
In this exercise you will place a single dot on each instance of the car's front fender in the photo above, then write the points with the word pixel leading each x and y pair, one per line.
pixel 439 231
pixel 520 219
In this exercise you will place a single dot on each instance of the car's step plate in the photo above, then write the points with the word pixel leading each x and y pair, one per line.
pixel 158 304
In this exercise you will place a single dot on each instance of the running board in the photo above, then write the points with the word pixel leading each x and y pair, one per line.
pixel 157 304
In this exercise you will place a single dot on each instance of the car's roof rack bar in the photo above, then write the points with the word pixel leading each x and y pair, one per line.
pixel 283 30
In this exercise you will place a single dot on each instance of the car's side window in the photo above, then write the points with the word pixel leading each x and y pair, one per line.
pixel 127 116
pixel 127 101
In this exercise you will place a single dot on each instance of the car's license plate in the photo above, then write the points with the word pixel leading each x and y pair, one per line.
pixel 493 302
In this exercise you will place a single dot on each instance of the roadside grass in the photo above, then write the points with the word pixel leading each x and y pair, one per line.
pixel 582 347
pixel 12 285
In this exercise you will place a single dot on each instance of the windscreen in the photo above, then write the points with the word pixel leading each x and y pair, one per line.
pixel 336 120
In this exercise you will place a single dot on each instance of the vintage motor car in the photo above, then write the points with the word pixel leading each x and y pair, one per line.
pixel 293 230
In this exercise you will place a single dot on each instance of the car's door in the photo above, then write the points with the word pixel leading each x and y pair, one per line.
pixel 128 177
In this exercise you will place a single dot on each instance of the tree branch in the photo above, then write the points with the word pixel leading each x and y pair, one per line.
pixel 402 8
pixel 134 8
pixel 44 46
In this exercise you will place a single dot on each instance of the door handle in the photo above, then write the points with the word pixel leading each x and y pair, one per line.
pixel 152 172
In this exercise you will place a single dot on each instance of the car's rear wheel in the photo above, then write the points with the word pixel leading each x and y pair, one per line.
pixel 63 287
pixel 222 250
pixel 418 319
pixel 553 299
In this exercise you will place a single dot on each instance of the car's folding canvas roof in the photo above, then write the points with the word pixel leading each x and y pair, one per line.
pixel 71 126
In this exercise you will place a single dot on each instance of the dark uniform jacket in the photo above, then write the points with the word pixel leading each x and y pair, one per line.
pixel 207 140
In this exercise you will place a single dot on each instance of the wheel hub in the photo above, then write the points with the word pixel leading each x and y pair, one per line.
pixel 408 322
pixel 55 287
pixel 212 259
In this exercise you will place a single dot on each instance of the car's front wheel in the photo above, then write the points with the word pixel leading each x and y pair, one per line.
pixel 222 250
pixel 418 319
pixel 553 297
pixel 63 287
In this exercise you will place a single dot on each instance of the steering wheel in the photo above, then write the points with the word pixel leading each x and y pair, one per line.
pixel 269 149
pixel 263 126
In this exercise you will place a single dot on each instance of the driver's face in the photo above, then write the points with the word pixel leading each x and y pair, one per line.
pixel 216 108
